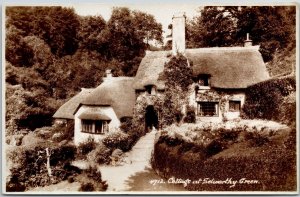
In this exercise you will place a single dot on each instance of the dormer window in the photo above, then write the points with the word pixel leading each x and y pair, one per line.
pixel 203 80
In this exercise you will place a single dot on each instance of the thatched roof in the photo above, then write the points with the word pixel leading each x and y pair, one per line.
pixel 150 68
pixel 229 67
pixel 66 111
pixel 87 115
pixel 117 92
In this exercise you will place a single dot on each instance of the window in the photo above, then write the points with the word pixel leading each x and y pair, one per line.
pixel 208 108
pixel 234 106
pixel 87 126
pixel 203 80
pixel 94 126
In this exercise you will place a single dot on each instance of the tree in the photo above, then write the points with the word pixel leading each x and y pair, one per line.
pixel 215 26
pixel 56 25
pixel 92 34
pixel 17 50
pixel 146 27
pixel 128 38
pixel 42 56
pixel 272 27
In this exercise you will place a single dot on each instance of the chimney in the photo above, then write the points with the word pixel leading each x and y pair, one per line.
pixel 247 42
pixel 178 33
pixel 108 74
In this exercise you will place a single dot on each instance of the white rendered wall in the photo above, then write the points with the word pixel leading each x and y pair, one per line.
pixel 107 110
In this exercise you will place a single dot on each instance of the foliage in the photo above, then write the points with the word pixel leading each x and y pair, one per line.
pixel 273 27
pixel 212 28
pixel 87 146
pixel 23 108
pixel 129 33
pixel 87 187
pixel 190 115
pixel 56 25
pixel 177 156
pixel 100 155
pixel 91 180
pixel 51 52
pixel 17 51
pixel 92 32
pixel 265 100
pixel 57 132
pixel 31 170
pixel 126 124
pixel 178 77
pixel 118 140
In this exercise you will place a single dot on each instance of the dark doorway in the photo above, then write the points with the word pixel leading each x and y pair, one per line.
pixel 151 118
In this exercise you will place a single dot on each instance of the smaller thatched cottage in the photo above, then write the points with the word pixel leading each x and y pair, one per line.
pixel 97 111
pixel 103 109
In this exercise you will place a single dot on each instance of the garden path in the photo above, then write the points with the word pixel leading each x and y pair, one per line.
pixel 136 173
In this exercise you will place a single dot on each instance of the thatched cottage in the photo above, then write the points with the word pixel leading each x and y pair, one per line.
pixel 221 76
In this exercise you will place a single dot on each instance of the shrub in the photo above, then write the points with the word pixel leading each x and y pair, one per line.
pixel 87 187
pixel 126 124
pixel 265 99
pixel 190 115
pixel 100 155
pixel 63 154
pixel 85 147
pixel 71 179
pixel 278 172
pixel 256 138
pixel 118 139
pixel 214 147
pixel 44 132
pixel 31 170
pixel 91 180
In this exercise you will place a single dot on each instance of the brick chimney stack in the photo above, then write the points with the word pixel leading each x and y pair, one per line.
pixel 178 33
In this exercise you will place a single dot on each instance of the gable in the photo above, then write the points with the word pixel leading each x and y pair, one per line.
pixel 67 110
pixel 117 92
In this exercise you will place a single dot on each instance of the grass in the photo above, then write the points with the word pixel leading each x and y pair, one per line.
pixel 268 156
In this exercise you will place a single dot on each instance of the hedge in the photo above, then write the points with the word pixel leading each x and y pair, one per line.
pixel 265 100
pixel 273 165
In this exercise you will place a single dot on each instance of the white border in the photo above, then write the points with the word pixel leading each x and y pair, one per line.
pixel 124 3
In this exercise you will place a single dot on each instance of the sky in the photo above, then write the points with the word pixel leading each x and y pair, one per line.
pixel 163 12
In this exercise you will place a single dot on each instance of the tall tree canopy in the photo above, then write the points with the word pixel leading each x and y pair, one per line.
pixel 272 27
pixel 57 26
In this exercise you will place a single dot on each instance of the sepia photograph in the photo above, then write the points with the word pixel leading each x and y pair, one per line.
pixel 150 98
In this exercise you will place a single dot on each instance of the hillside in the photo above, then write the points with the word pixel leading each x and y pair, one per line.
pixel 51 53
pixel 283 63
